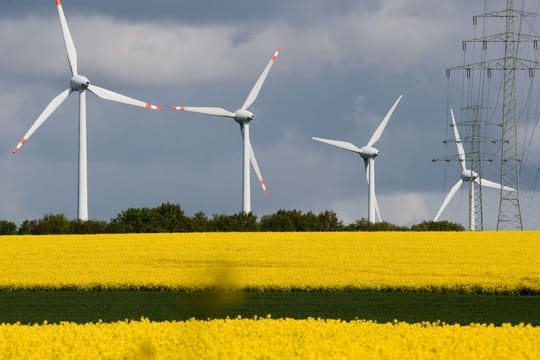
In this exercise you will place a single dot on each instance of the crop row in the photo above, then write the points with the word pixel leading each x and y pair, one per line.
pixel 268 339
pixel 462 262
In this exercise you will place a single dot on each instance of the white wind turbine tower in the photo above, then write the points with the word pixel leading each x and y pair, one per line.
pixel 243 117
pixel 80 84
pixel 368 153
pixel 466 176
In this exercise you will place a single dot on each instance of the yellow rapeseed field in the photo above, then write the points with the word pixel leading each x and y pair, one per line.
pixel 268 339
pixel 490 261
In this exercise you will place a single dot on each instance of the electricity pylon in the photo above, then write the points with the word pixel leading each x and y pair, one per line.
pixel 509 216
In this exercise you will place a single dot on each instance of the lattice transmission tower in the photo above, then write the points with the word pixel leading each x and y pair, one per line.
pixel 509 215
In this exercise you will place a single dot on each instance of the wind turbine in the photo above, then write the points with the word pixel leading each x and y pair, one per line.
pixel 80 84
pixel 466 176
pixel 243 117
pixel 368 153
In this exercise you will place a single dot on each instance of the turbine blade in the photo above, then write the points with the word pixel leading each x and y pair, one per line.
pixel 448 198
pixel 366 168
pixel 378 133
pixel 461 150
pixel 377 211
pixel 493 185
pixel 53 105
pixel 257 170
pixel 215 111
pixel 112 96
pixel 68 40
pixel 340 144
pixel 258 85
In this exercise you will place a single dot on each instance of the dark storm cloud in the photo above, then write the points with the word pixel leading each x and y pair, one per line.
pixel 342 66
pixel 201 11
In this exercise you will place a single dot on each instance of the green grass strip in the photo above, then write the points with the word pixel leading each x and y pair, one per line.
pixel 37 306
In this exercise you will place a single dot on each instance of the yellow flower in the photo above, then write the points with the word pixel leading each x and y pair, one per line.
pixel 470 262
pixel 267 339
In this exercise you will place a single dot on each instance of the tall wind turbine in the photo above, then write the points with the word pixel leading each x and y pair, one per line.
pixel 368 153
pixel 243 117
pixel 466 176
pixel 80 84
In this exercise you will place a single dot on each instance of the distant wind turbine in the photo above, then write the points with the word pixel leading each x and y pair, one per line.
pixel 243 117
pixel 368 153
pixel 466 176
pixel 80 84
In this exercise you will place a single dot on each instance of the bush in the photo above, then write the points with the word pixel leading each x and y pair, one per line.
pixel 437 226
pixel 200 223
pixel 49 224
pixel 329 221
pixel 236 222
pixel 170 218
pixel 88 227
pixel 7 228
pixel 295 220
pixel 365 225
pixel 165 218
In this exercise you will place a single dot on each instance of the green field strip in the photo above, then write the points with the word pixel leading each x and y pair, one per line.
pixel 30 307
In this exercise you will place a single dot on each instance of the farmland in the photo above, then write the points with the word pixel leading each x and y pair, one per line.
pixel 435 262
pixel 268 339
pixel 69 296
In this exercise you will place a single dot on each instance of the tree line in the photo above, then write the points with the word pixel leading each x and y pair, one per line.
pixel 170 218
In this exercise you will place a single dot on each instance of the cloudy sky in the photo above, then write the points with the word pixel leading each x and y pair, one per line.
pixel 343 63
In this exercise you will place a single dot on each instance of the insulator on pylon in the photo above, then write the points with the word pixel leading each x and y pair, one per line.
pixel 468 73
pixel 448 73
pixel 489 71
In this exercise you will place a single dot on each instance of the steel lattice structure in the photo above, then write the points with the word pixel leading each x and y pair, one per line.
pixel 509 215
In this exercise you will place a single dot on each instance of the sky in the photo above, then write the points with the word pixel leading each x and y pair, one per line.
pixel 342 65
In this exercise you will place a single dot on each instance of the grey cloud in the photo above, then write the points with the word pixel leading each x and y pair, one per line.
pixel 342 65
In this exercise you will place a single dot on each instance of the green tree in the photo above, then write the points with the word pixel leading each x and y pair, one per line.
pixel 282 220
pixel 307 222
pixel 27 227
pixel 236 222
pixel 88 227
pixel 167 217
pixel 171 218
pixel 49 224
pixel 7 228
pixel 437 226
pixel 295 220
pixel 364 225
pixel 329 221
pixel 135 220
pixel 200 223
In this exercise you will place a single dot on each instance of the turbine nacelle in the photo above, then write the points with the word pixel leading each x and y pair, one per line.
pixel 79 83
pixel 469 175
pixel 243 116
pixel 368 152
